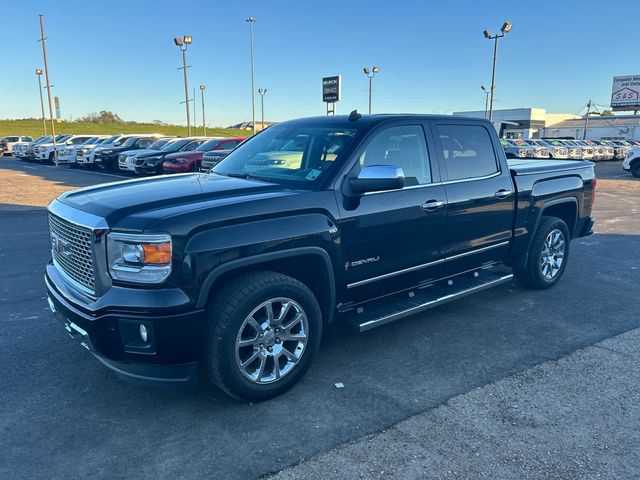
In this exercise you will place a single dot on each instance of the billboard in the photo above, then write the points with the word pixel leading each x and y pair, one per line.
pixel 331 89
pixel 625 94
pixel 56 103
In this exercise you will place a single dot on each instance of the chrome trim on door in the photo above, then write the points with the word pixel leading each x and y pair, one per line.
pixel 424 265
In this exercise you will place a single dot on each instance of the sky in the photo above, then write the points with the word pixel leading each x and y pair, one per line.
pixel 119 55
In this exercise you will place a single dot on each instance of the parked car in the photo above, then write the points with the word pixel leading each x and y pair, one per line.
pixel 539 150
pixel 182 162
pixel 87 157
pixel 632 162
pixel 516 150
pixel 599 150
pixel 609 150
pixel 90 145
pixel 239 271
pixel 151 163
pixel 558 151
pixel 588 152
pixel 29 152
pixel 574 150
pixel 107 158
pixel 126 160
pixel 20 148
pixel 43 152
pixel 67 154
pixel 7 143
pixel 211 159
pixel 621 148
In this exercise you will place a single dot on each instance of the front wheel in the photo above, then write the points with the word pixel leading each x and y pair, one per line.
pixel 264 329
pixel 635 169
pixel 548 254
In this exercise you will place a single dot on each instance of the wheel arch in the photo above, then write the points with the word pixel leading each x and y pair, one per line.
pixel 310 265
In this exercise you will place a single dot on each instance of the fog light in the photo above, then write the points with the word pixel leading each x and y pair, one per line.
pixel 143 333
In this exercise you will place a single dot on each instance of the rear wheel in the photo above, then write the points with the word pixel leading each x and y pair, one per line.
pixel 635 169
pixel 548 254
pixel 264 329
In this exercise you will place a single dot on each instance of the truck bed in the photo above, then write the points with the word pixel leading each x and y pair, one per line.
pixel 532 166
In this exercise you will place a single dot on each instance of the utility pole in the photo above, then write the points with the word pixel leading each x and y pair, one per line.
pixel 46 76
pixel 204 127
pixel 44 122
pixel 586 120
pixel 251 21
pixel 486 100
pixel 195 118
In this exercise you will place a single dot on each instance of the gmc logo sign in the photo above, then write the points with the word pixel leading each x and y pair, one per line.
pixel 60 246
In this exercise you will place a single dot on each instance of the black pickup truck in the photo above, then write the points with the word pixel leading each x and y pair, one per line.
pixel 359 219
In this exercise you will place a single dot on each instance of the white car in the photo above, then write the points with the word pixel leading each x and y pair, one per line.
pixel 88 156
pixel 632 162
pixel 67 154
pixel 7 143
pixel 20 148
pixel 63 148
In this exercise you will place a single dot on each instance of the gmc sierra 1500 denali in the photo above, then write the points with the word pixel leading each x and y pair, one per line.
pixel 358 219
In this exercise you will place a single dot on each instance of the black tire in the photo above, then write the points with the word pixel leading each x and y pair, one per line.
pixel 532 275
pixel 226 314
pixel 635 169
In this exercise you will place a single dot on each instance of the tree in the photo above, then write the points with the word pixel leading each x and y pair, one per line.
pixel 606 113
pixel 103 117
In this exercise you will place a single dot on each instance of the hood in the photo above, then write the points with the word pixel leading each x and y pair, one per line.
pixel 138 152
pixel 142 200
pixel 193 155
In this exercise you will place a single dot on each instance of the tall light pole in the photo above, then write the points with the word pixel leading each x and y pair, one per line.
pixel 251 21
pixel 46 77
pixel 44 122
pixel 506 28
pixel 486 100
pixel 204 127
pixel 370 75
pixel 586 120
pixel 182 44
pixel 262 92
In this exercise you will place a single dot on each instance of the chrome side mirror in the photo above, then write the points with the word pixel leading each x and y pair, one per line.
pixel 375 178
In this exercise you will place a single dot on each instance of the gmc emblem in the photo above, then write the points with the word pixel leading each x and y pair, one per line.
pixel 60 246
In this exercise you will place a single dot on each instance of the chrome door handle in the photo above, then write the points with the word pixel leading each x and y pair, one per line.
pixel 431 205
pixel 503 193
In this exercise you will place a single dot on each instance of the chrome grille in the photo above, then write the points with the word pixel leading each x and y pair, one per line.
pixel 72 251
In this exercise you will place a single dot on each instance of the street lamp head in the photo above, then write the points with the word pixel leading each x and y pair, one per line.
pixel 366 70
pixel 262 91
pixel 202 87
pixel 187 39
pixel 487 34
pixel 483 89
pixel 376 69
pixel 506 28
pixel 250 20
pixel 38 71
pixel 178 41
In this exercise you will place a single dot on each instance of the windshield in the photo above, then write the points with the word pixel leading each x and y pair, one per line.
pixel 209 145
pixel 176 145
pixel 130 142
pixel 89 141
pixel 289 153
pixel 158 144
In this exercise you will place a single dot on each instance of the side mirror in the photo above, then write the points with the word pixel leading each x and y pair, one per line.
pixel 69 142
pixel 376 178
pixel 116 144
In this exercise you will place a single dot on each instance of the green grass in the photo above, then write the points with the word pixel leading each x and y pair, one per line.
pixel 33 128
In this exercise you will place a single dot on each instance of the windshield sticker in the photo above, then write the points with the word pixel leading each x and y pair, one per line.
pixel 313 174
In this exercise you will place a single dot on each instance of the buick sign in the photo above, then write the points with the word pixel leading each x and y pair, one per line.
pixel 331 89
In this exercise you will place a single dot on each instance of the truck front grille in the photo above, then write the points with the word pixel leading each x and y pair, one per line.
pixel 71 247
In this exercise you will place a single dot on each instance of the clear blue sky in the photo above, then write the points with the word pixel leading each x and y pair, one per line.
pixel 119 55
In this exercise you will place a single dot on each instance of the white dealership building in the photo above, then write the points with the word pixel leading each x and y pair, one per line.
pixel 618 127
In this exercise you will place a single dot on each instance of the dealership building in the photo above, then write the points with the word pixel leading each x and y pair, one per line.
pixel 521 122
pixel 618 127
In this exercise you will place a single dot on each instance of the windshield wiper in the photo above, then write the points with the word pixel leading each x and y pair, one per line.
pixel 247 176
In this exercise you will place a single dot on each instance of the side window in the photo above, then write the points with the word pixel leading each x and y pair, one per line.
pixel 145 142
pixel 467 150
pixel 403 146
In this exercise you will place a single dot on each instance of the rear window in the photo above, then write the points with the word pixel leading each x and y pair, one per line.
pixel 467 150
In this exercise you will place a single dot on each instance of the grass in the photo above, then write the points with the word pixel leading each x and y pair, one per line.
pixel 33 128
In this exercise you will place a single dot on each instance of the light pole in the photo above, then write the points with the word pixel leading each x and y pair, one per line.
pixel 251 21
pixel 182 44
pixel 486 100
pixel 46 77
pixel 506 28
pixel 204 127
pixel 44 122
pixel 262 92
pixel 370 75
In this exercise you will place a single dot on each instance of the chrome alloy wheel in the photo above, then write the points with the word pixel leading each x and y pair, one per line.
pixel 552 254
pixel 271 340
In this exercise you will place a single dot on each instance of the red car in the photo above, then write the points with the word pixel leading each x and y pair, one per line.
pixel 182 162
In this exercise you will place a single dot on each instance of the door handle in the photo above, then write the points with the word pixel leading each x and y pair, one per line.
pixel 431 205
pixel 503 193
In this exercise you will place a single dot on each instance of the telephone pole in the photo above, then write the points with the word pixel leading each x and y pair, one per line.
pixel 251 21
pixel 204 127
pixel 44 121
pixel 586 120
pixel 46 76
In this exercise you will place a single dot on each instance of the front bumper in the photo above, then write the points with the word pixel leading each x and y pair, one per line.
pixel 175 338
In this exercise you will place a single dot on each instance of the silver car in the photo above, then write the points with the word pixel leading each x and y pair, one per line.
pixel 539 151
pixel 555 151
pixel 511 150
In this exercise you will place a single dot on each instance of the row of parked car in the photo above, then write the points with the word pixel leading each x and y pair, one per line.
pixel 142 154
pixel 564 149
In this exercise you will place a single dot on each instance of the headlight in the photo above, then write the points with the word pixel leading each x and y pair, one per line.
pixel 106 152
pixel 139 258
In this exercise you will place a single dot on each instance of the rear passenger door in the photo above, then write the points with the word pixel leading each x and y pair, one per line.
pixel 479 193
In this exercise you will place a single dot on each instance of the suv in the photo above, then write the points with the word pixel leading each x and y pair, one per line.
pixel 632 162
pixel 183 162
pixel 516 149
pixel 107 158
pixel 365 220
pixel 151 163
pixel 7 143
pixel 20 148
pixel 553 150
pixel 67 154
pixel 126 160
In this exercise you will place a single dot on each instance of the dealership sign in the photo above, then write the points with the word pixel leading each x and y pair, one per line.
pixel 331 89
pixel 625 94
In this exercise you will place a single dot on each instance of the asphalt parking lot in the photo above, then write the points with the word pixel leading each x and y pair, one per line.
pixel 62 415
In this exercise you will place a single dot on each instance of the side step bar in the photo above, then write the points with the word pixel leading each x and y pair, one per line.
pixel 420 300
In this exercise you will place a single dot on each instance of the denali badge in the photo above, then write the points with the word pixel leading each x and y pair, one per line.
pixel 357 263
pixel 60 246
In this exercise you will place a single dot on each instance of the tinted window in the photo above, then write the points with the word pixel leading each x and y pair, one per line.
pixel 227 145
pixel 209 145
pixel 403 146
pixel 467 150
pixel 144 142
